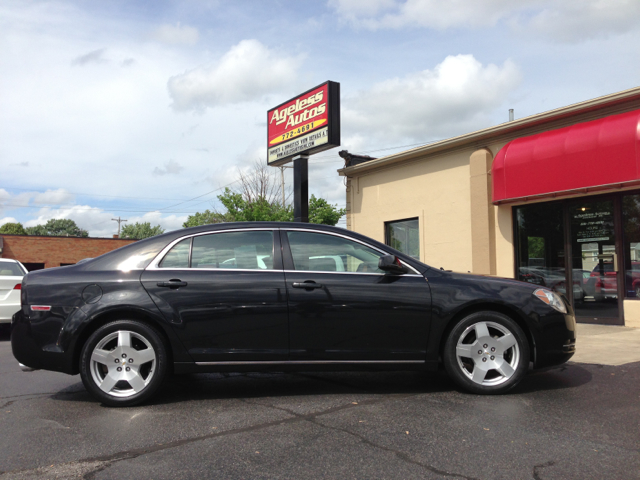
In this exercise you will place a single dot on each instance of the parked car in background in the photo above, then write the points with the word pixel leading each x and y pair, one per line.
pixel 555 279
pixel 11 273
pixel 262 296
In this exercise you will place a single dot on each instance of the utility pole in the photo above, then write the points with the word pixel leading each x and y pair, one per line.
pixel 119 220
pixel 282 167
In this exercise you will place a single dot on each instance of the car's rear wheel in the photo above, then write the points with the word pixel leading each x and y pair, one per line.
pixel 487 353
pixel 123 363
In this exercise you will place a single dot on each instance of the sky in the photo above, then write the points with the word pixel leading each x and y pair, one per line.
pixel 146 110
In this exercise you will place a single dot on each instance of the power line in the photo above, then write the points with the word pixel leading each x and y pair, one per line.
pixel 88 194
pixel 58 207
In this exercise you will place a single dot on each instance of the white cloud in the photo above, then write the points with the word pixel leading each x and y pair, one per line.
pixel 54 197
pixel 352 9
pixel 99 223
pixel 568 20
pixel 452 98
pixel 248 71
pixel 95 56
pixel 170 168
pixel 176 34
pixel 572 21
pixel 7 220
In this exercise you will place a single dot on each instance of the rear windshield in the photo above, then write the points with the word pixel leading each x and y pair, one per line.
pixel 131 257
pixel 10 269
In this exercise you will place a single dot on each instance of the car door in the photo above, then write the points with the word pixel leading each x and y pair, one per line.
pixel 224 294
pixel 343 308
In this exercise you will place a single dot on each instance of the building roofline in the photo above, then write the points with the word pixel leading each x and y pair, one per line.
pixel 64 236
pixel 502 129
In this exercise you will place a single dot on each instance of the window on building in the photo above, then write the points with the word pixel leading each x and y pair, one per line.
pixel 540 237
pixel 30 266
pixel 631 231
pixel 404 235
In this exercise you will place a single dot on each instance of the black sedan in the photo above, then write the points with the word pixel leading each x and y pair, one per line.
pixel 279 296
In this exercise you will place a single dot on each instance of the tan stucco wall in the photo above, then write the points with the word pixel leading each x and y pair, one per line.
pixel 436 191
pixel 631 313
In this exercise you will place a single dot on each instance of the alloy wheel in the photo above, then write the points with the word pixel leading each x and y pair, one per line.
pixel 123 363
pixel 487 353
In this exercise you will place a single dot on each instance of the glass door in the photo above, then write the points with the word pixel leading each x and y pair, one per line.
pixel 594 270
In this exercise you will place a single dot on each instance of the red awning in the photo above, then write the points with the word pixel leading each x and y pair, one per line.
pixel 595 155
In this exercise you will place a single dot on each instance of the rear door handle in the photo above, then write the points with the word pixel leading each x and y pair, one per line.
pixel 307 285
pixel 172 284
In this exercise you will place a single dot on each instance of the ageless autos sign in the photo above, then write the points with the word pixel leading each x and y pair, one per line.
pixel 306 124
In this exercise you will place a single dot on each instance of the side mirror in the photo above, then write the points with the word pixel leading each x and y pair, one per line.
pixel 392 264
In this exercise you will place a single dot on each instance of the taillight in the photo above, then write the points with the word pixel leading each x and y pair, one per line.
pixel 40 308
pixel 18 286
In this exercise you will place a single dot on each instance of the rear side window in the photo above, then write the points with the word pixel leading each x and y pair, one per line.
pixel 251 250
pixel 230 250
pixel 178 256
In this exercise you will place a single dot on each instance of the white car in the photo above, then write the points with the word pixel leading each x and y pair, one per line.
pixel 11 273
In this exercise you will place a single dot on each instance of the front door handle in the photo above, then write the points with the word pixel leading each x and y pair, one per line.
pixel 173 283
pixel 307 284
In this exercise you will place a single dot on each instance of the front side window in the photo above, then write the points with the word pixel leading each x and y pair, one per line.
pixel 242 250
pixel 320 252
pixel 404 236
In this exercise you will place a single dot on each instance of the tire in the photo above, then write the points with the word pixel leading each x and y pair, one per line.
pixel 486 353
pixel 135 348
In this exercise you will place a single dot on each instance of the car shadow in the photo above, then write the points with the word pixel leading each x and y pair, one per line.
pixel 223 386
pixel 5 332
pixel 563 376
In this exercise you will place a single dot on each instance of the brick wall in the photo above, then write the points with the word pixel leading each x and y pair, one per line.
pixel 52 251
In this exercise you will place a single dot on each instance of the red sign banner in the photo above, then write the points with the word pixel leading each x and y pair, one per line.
pixel 304 124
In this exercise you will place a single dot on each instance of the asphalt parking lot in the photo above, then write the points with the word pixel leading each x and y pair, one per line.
pixel 579 421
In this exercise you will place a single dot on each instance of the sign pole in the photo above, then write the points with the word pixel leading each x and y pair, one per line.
pixel 301 188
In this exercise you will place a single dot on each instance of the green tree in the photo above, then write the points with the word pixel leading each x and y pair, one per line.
pixel 204 218
pixel 321 211
pixel 259 199
pixel 140 230
pixel 243 209
pixel 13 229
pixel 58 227
pixel 37 230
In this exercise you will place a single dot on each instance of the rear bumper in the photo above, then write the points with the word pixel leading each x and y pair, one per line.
pixel 27 351
pixel 7 311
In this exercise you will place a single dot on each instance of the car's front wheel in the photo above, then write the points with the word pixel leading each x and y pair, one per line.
pixel 123 363
pixel 487 353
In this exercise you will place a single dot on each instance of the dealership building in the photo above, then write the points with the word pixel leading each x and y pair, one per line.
pixel 552 199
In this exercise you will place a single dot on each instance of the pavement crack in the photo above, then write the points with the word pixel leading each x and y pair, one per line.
pixel 537 468
pixel 401 455
pixel 99 463
pixel 312 418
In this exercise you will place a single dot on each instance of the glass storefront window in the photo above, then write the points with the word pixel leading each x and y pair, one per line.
pixel 404 235
pixel 631 231
pixel 540 252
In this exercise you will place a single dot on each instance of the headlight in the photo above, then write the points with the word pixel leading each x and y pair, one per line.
pixel 551 298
